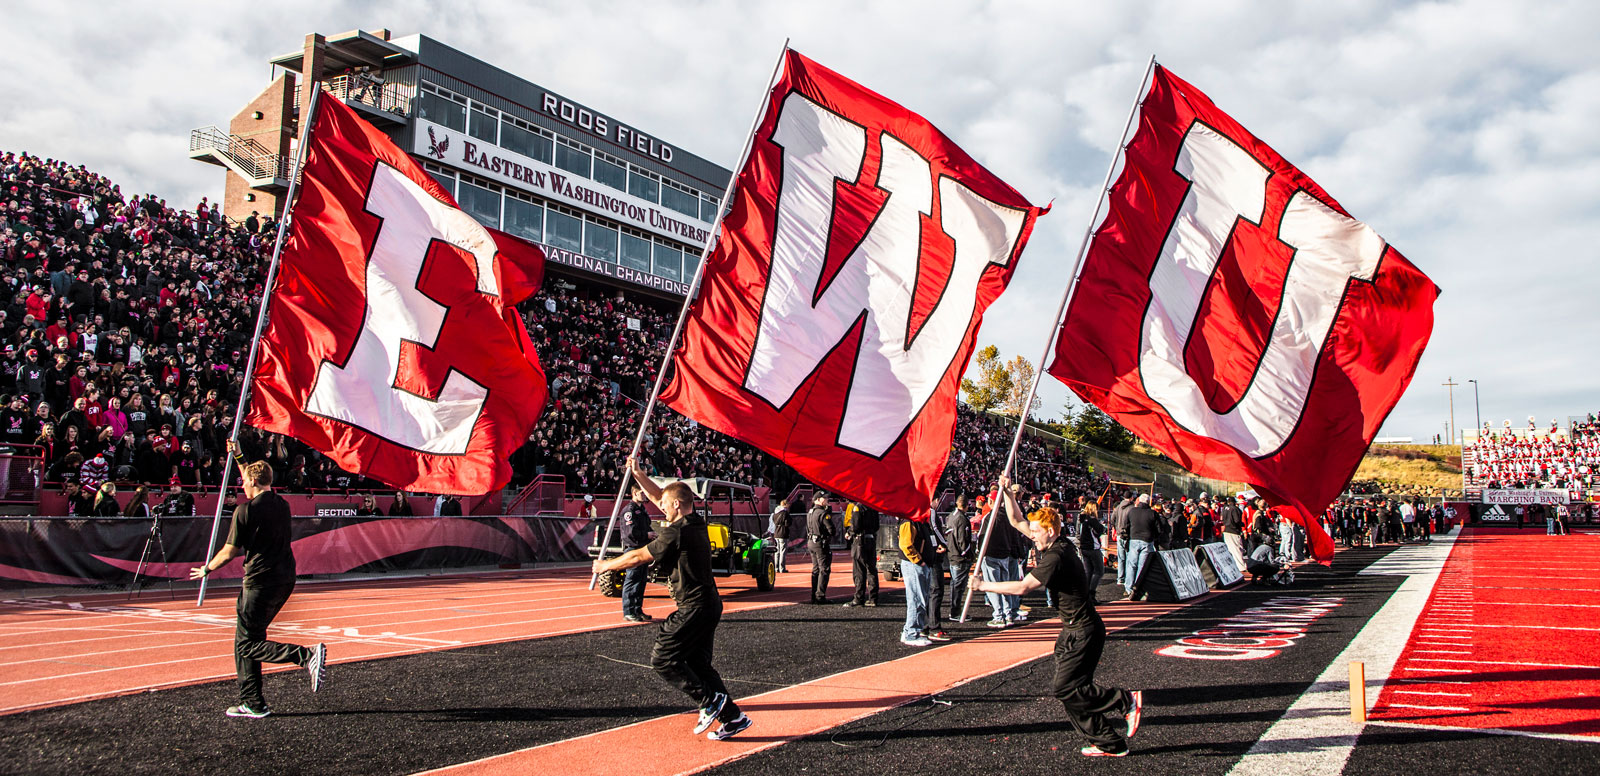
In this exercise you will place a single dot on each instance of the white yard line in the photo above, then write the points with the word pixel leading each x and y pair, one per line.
pixel 1314 735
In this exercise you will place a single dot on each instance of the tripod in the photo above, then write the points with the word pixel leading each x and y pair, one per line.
pixel 153 540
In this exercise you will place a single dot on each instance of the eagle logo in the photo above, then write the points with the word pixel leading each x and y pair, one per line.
pixel 437 147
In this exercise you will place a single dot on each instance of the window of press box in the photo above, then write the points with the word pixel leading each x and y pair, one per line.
pixel 441 110
pixel 525 219
pixel 529 144
pixel 480 203
pixel 573 160
pixel 611 174
pixel 708 210
pixel 680 200
pixel 669 262
pixel 484 127
pixel 446 179
pixel 563 231
pixel 600 241
pixel 691 262
pixel 635 252
pixel 643 186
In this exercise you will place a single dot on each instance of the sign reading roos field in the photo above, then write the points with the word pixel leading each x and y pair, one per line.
pixel 1526 497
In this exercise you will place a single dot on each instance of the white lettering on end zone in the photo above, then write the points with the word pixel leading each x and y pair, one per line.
pixel 1260 632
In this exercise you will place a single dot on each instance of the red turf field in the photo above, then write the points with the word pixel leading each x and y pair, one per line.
pixel 1510 638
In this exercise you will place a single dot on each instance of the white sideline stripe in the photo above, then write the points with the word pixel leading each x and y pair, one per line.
pixel 1432 692
pixel 1447 651
pixel 1490 731
pixel 1429 708
pixel 1314 735
pixel 1505 663
pixel 1544 627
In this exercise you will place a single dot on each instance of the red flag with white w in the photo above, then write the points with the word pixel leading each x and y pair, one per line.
pixel 394 346
pixel 1234 316
pixel 840 306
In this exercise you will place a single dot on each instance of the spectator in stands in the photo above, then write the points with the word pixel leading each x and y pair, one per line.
pixel 138 506
pixel 400 507
pixel 105 501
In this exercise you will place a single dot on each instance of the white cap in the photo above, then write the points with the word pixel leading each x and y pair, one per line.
pixel 1144 498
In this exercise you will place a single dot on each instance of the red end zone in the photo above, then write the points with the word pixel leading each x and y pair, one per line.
pixel 1507 640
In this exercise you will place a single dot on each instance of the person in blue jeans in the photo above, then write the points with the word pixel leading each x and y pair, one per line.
pixel 999 566
pixel 635 534
pixel 917 546
pixel 1143 530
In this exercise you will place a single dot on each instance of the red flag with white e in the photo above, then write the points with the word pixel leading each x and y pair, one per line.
pixel 1235 316
pixel 841 303
pixel 394 345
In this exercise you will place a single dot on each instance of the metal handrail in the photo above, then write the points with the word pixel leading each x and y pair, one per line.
pixel 247 154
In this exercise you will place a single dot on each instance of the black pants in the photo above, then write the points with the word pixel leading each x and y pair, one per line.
pixel 257 607
pixel 864 568
pixel 960 571
pixel 821 568
pixel 1089 706
pixel 682 656
pixel 935 563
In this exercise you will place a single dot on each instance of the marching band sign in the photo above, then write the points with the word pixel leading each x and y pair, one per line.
pixel 1526 497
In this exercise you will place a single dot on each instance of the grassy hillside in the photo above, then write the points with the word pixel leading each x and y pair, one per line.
pixel 1413 468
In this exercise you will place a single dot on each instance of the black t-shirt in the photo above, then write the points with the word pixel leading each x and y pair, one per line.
pixel 261 528
pixel 685 546
pixel 1061 572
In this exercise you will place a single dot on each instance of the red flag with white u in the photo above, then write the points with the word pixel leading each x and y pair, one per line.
pixel 1232 314
pixel 394 345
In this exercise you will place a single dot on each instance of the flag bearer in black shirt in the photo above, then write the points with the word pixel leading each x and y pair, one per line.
pixel 260 532
pixel 683 649
pixel 1090 707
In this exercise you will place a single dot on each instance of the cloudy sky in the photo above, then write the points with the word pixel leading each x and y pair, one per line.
pixel 1466 133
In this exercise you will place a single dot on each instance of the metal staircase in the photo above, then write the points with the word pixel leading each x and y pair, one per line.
pixel 257 164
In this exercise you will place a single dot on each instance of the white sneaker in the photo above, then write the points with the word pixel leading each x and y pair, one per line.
pixel 317 666
pixel 709 712
pixel 919 641
pixel 731 728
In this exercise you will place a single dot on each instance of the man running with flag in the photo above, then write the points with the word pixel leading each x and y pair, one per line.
pixel 683 649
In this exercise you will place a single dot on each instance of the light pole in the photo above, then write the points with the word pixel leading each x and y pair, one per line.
pixel 1477 411
pixel 1450 383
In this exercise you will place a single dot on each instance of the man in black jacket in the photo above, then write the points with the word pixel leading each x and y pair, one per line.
pixel 782 517
pixel 958 533
pixel 819 538
pixel 861 534
pixel 1233 531
pixel 1119 524
pixel 635 534
pixel 1144 533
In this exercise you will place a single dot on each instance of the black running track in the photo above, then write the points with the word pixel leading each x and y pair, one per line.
pixel 405 714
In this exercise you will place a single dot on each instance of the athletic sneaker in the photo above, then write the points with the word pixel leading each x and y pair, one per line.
pixel 242 710
pixel 937 635
pixel 997 623
pixel 852 604
pixel 1022 615
pixel 918 641
pixel 731 728
pixel 1095 751
pixel 709 712
pixel 317 666
pixel 1135 713
pixel 871 604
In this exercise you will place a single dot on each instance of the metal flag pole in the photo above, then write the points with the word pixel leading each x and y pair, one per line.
pixel 261 320
pixel 1055 330
pixel 683 313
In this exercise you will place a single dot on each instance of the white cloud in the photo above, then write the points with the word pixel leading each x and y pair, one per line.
pixel 1462 131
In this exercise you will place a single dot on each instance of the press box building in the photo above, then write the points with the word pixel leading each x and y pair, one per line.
pixel 607 200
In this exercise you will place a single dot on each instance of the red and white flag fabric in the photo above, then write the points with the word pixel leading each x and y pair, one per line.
pixel 1235 316
pixel 394 345
pixel 849 280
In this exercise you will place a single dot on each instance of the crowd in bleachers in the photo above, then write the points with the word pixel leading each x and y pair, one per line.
pixel 1531 458
pixel 127 322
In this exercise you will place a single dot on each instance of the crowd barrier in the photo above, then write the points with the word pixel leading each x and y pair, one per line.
pixel 70 551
